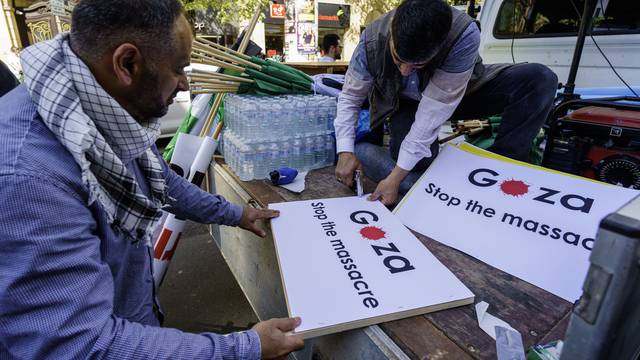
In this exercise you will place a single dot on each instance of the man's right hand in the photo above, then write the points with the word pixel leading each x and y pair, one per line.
pixel 274 340
pixel 348 163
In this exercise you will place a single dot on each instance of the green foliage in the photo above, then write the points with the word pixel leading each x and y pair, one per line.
pixel 227 10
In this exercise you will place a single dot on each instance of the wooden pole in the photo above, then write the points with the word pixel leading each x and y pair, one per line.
pixel 216 85
pixel 217 91
pixel 249 30
pixel 225 56
pixel 211 61
pixel 223 48
pixel 216 104
pixel 197 80
pixel 199 74
pixel 212 115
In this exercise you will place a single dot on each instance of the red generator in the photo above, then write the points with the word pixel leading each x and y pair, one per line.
pixel 597 139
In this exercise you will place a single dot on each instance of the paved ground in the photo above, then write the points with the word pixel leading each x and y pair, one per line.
pixel 199 292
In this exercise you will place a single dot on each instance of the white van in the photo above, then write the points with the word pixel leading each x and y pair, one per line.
pixel 544 31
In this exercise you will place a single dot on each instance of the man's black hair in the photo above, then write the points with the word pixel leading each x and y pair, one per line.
pixel 419 28
pixel 328 41
pixel 99 26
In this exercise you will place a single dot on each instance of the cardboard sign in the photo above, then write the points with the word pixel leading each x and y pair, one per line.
pixel 528 221
pixel 348 262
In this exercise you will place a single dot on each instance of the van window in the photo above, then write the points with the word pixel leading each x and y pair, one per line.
pixel 547 18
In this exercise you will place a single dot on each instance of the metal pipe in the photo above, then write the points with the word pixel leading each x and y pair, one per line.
pixel 585 26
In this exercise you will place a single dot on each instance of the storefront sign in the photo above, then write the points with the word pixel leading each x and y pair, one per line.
pixel 333 15
pixel 57 7
pixel 530 222
pixel 277 11
pixel 348 262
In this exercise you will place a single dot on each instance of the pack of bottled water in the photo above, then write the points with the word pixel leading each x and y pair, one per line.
pixel 264 133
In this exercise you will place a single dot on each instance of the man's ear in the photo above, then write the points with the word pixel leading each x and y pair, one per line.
pixel 127 63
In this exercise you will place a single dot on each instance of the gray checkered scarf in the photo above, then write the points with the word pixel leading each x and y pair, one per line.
pixel 100 135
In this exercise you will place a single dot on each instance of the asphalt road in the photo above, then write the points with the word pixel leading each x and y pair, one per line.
pixel 199 292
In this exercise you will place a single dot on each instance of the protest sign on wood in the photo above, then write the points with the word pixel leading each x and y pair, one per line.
pixel 348 262
pixel 533 223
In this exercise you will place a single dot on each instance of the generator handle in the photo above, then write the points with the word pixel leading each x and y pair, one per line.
pixel 631 103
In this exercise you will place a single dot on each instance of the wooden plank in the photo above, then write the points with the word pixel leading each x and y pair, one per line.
pixel 420 339
pixel 252 259
pixel 558 331
pixel 320 184
pixel 532 311
pixel 537 314
pixel 260 190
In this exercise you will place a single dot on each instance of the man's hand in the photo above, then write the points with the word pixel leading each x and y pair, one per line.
pixel 347 165
pixel 250 215
pixel 387 189
pixel 274 340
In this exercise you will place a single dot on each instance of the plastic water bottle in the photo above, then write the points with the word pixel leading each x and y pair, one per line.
pixel 309 156
pixel 286 153
pixel 260 161
pixel 248 163
pixel 320 155
pixel 297 153
pixel 275 119
pixel 273 160
pixel 330 143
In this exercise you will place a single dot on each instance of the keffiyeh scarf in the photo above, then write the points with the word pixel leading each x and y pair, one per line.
pixel 100 135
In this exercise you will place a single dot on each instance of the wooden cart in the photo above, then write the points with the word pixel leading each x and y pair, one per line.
pixel 449 334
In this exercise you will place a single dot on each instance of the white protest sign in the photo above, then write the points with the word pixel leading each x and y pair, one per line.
pixel 532 223
pixel 348 262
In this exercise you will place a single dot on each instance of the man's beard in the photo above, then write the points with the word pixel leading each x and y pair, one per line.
pixel 148 100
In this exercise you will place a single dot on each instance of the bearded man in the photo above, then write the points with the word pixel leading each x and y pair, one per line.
pixel 82 187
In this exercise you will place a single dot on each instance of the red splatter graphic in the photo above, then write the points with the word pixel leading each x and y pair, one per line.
pixel 514 187
pixel 372 233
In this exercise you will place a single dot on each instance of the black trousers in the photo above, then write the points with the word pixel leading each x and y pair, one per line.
pixel 522 93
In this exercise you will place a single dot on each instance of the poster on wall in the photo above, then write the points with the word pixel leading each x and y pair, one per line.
pixel 349 262
pixel 306 10
pixel 290 39
pixel 528 221
pixel 307 43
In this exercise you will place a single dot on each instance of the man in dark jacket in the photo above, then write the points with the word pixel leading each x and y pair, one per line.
pixel 419 66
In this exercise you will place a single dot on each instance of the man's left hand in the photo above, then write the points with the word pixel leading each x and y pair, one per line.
pixel 251 215
pixel 386 191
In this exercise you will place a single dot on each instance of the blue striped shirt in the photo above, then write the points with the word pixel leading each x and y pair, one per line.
pixel 70 287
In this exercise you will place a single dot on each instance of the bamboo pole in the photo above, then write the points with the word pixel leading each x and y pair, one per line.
pixel 198 74
pixel 212 115
pixel 198 92
pixel 215 86
pixel 209 61
pixel 218 100
pixel 204 85
pixel 204 49
pixel 202 56
pixel 196 80
pixel 224 48
pixel 249 30
pixel 225 56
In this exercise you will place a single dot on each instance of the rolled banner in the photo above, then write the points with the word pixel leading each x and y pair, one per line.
pixel 202 160
pixel 167 242
pixel 165 247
